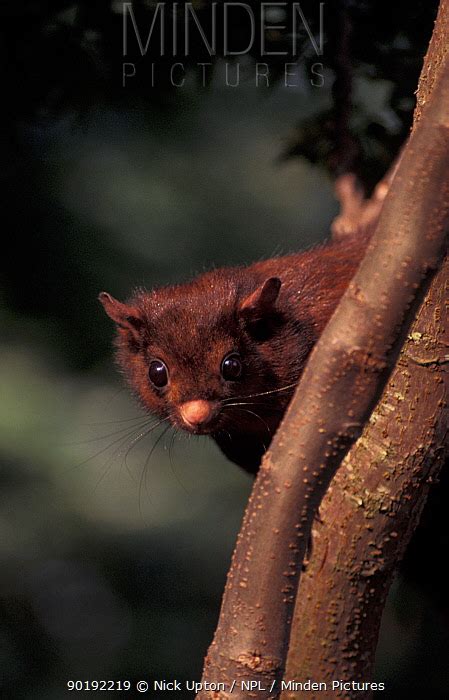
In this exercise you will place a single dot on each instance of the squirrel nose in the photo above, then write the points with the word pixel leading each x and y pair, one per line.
pixel 196 413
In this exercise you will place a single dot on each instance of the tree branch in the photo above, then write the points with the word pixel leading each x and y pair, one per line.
pixel 375 500
pixel 372 508
pixel 359 216
pixel 336 394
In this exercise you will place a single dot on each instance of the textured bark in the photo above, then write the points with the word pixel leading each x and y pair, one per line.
pixel 336 394
pixel 375 500
pixel 434 61
pixel 372 508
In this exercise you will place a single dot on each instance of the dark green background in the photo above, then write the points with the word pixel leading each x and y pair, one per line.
pixel 112 564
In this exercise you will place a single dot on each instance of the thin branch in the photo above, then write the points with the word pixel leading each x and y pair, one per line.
pixel 359 216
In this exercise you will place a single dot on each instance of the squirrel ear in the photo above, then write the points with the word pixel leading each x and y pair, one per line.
pixel 127 317
pixel 261 302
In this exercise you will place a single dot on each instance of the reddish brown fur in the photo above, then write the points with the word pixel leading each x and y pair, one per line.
pixel 191 327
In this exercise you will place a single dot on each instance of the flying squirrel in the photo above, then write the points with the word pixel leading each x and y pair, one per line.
pixel 221 355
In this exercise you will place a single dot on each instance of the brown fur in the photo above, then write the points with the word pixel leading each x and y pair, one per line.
pixel 193 326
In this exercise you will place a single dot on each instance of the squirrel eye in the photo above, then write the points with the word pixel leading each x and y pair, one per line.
pixel 158 374
pixel 231 367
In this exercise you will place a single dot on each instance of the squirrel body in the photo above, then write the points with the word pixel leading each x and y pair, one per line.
pixel 221 355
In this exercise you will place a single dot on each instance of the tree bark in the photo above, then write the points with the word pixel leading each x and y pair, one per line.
pixel 374 503
pixel 336 394
pixel 371 510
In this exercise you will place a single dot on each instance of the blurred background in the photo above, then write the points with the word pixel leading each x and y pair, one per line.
pixel 114 550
